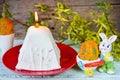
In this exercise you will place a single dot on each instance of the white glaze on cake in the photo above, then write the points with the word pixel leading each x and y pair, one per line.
pixel 39 51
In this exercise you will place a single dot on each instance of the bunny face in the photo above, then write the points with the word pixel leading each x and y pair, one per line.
pixel 106 44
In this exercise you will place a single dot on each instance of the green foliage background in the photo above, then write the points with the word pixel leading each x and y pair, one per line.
pixel 79 29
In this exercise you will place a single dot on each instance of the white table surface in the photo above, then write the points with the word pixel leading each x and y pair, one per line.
pixel 72 74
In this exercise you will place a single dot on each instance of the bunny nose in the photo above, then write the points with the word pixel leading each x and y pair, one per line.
pixel 104 48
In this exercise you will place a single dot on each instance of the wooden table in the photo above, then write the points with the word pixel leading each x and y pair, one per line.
pixel 72 74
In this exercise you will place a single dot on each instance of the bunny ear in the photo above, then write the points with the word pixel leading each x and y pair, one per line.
pixel 103 36
pixel 112 38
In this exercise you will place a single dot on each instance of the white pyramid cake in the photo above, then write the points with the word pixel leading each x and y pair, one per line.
pixel 39 51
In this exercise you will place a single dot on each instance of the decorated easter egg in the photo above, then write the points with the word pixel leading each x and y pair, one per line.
pixel 88 50
pixel 6 26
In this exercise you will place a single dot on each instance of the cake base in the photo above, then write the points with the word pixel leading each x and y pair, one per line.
pixel 67 61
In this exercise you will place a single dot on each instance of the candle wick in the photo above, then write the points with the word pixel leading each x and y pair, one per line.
pixel 36 25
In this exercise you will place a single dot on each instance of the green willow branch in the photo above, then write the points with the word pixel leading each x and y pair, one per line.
pixel 14 18
pixel 109 24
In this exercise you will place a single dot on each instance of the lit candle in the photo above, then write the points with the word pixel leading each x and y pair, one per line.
pixel 36 20
pixel 41 45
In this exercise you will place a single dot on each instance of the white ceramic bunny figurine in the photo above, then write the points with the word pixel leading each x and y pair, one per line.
pixel 105 48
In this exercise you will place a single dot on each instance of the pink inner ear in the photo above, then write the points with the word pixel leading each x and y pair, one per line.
pixel 104 37
pixel 111 39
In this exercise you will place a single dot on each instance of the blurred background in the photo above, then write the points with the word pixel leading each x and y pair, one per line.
pixel 21 10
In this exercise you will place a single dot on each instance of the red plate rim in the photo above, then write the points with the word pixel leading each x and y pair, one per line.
pixel 67 61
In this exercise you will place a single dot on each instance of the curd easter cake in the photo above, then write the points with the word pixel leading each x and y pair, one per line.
pixel 39 51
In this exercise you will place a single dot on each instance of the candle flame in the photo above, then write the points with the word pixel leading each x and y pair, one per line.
pixel 36 20
pixel 36 16
pixel 37 25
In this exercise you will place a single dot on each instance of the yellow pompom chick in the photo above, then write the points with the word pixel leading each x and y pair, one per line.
pixel 89 71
